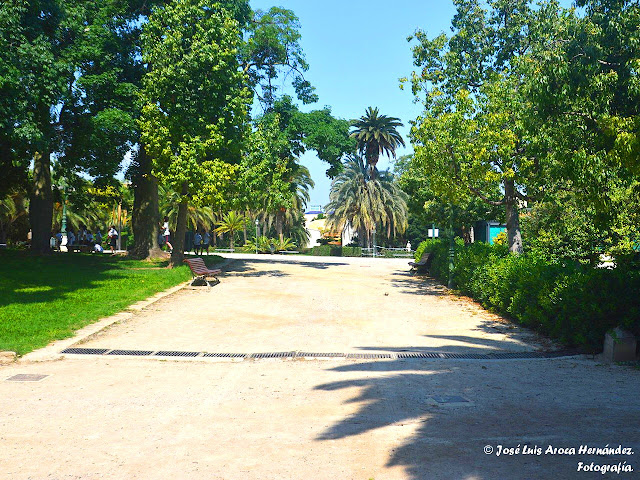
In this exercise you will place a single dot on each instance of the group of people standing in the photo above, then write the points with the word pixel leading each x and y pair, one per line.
pixel 84 237
pixel 201 238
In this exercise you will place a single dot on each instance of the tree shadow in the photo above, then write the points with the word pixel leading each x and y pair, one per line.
pixel 417 284
pixel 29 279
pixel 241 264
pixel 509 403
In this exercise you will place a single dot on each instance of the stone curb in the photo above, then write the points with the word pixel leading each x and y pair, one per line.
pixel 52 351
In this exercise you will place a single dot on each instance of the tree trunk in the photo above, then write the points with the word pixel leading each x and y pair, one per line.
pixel 145 217
pixel 41 205
pixel 244 232
pixel 513 219
pixel 181 228
pixel 279 221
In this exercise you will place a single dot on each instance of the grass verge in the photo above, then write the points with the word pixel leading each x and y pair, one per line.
pixel 48 298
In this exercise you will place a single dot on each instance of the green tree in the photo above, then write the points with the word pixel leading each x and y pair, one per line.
pixel 272 50
pixel 585 93
pixel 231 223
pixel 364 203
pixel 427 208
pixel 376 134
pixel 474 132
pixel 195 96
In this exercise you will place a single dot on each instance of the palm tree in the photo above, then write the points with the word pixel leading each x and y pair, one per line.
pixel 12 207
pixel 231 222
pixel 364 202
pixel 376 134
pixel 196 216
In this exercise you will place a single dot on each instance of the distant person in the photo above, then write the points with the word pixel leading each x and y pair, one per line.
pixel 197 242
pixel 29 237
pixel 89 237
pixel 52 241
pixel 167 234
pixel 408 246
pixel 97 248
pixel 58 239
pixel 98 237
pixel 206 240
pixel 71 238
pixel 113 238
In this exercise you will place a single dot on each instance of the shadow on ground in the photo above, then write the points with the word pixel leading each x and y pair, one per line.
pixel 256 267
pixel 510 403
pixel 417 284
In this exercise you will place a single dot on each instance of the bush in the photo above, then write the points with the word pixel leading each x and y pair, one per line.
pixel 569 301
pixel 336 251
pixel 351 251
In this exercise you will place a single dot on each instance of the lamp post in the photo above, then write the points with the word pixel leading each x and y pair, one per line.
pixel 451 283
pixel 63 227
pixel 257 224
pixel 374 240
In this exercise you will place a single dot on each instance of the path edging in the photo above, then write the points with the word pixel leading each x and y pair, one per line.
pixel 52 351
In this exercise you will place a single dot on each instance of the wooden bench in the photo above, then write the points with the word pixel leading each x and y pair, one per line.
pixel 200 271
pixel 423 264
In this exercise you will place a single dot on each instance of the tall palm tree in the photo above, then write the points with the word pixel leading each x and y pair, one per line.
pixel 375 135
pixel 363 203
pixel 231 222
pixel 197 216
pixel 12 207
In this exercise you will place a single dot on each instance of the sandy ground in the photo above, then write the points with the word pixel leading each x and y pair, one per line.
pixel 106 417
pixel 275 304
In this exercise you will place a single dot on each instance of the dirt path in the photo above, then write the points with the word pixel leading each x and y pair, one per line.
pixel 351 305
pixel 101 417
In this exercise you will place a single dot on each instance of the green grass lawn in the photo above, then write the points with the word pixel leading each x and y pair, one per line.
pixel 48 298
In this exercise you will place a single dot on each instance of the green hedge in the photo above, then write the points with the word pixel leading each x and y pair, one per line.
pixel 333 251
pixel 566 300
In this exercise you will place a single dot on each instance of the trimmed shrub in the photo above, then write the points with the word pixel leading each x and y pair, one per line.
pixel 566 300
pixel 351 251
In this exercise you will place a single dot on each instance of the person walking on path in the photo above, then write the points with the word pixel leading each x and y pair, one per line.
pixel 206 240
pixel 113 238
pixel 197 242
pixel 167 234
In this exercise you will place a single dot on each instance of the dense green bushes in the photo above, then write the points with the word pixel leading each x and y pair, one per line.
pixel 335 251
pixel 572 302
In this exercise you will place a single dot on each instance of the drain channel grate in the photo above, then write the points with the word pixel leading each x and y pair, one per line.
pixel 358 356
pixel 86 351
pixel 136 353
pixel 367 356
pixel 175 354
pixel 273 355
pixel 319 355
pixel 225 355
pixel 418 355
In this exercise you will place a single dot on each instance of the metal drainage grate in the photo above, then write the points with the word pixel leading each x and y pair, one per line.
pixel 273 355
pixel 368 355
pixel 418 355
pixel 175 354
pixel 86 351
pixel 225 355
pixel 137 353
pixel 26 377
pixel 319 355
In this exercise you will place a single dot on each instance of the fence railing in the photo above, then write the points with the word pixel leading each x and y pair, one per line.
pixel 387 252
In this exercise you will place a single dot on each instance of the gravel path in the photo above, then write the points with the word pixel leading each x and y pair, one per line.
pixel 100 417
pixel 275 304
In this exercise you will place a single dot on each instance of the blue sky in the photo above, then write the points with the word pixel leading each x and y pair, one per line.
pixel 357 50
